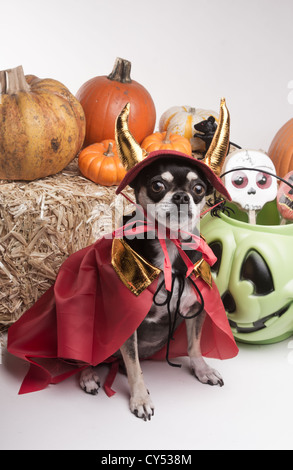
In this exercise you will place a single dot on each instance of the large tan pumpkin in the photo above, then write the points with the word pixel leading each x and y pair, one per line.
pixel 42 126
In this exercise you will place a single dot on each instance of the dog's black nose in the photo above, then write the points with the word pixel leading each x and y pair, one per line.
pixel 180 197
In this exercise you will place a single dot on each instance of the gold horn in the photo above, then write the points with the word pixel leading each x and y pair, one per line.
pixel 218 149
pixel 129 151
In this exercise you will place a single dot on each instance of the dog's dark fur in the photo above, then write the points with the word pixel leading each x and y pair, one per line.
pixel 167 185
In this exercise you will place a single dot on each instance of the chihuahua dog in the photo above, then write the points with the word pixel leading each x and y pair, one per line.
pixel 176 193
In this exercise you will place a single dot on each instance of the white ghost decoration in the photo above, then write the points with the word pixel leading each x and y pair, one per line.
pixel 250 189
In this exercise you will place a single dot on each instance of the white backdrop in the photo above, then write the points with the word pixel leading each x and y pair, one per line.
pixel 184 52
pixel 187 52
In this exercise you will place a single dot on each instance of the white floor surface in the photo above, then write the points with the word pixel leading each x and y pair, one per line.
pixel 252 411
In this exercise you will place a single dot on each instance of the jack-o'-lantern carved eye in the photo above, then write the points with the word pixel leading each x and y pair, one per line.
pixel 217 248
pixel 227 298
pixel 229 302
pixel 256 270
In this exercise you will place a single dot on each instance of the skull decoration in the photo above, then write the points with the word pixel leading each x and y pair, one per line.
pixel 250 189
pixel 254 276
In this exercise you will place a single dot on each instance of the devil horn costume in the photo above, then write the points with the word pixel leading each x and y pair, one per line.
pixel 103 292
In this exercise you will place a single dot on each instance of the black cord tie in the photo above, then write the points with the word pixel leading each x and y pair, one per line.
pixel 181 281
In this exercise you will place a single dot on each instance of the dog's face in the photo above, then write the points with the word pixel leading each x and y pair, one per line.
pixel 172 193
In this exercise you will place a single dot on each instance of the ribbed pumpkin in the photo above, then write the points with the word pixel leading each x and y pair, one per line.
pixel 166 140
pixel 103 97
pixel 181 120
pixel 100 163
pixel 42 126
pixel 281 149
pixel 285 199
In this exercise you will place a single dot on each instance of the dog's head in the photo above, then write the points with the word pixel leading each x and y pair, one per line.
pixel 171 186
pixel 172 192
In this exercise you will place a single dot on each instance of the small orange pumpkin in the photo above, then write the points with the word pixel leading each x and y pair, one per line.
pixel 166 140
pixel 101 164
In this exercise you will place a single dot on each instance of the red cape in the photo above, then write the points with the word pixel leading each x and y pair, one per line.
pixel 89 313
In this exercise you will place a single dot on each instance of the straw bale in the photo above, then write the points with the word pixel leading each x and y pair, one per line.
pixel 43 222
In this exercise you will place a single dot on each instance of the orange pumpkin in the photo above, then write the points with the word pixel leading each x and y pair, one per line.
pixel 103 98
pixel 42 126
pixel 100 163
pixel 166 140
pixel 281 149
pixel 285 199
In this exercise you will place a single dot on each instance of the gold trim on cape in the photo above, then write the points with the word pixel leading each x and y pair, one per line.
pixel 133 270
pixel 137 274
pixel 202 269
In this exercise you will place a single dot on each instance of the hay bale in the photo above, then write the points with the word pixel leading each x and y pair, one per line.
pixel 43 222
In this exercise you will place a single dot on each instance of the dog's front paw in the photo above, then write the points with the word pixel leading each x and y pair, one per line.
pixel 204 373
pixel 141 405
pixel 89 381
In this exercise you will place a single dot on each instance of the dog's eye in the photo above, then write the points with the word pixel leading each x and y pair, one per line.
pixel 198 189
pixel 158 186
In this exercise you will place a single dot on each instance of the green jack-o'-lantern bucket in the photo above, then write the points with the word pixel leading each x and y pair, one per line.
pixel 254 274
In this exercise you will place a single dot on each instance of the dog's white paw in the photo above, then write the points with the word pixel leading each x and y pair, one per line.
pixel 89 381
pixel 204 373
pixel 141 405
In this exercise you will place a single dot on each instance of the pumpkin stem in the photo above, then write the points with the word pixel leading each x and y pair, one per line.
pixel 121 71
pixel 109 152
pixel 167 137
pixel 13 81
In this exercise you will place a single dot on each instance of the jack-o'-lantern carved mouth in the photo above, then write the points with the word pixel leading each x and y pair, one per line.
pixel 287 201
pixel 258 324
